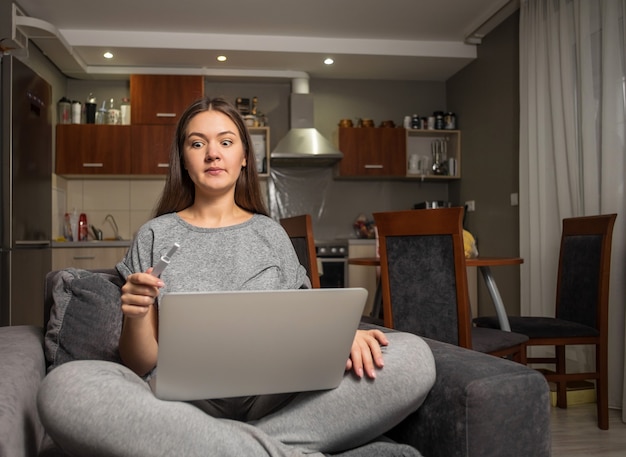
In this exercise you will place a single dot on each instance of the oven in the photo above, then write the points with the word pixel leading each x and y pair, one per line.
pixel 332 262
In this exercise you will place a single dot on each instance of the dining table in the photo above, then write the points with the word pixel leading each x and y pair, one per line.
pixel 483 263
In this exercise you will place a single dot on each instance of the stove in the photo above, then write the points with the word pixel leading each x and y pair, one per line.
pixel 333 248
pixel 332 261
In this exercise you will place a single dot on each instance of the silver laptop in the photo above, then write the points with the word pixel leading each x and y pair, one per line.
pixel 231 344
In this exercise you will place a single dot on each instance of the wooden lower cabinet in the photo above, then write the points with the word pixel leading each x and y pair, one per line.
pixel 87 257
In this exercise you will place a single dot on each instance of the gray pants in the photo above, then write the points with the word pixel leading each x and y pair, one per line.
pixel 103 409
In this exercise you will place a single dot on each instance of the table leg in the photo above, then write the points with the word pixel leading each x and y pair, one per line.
pixel 495 296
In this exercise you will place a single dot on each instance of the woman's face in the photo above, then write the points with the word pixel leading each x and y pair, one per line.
pixel 213 153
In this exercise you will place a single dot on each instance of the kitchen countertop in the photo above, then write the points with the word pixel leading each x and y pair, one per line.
pixel 366 241
pixel 91 244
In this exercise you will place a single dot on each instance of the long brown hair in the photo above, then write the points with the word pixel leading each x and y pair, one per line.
pixel 179 191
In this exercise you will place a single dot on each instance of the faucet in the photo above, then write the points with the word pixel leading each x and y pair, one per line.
pixel 111 221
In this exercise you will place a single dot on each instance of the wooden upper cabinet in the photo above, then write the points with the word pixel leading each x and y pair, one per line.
pixel 151 146
pixel 89 149
pixel 161 99
pixel 370 151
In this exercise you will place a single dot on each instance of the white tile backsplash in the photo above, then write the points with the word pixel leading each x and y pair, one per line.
pixel 132 201
pixel 129 201
pixel 74 195
pixel 106 195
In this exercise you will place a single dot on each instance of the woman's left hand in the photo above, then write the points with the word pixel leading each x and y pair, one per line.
pixel 366 354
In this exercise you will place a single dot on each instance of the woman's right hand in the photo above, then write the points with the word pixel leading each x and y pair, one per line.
pixel 139 294
pixel 138 340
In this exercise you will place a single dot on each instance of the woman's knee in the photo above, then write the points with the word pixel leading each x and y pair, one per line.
pixel 413 364
pixel 70 388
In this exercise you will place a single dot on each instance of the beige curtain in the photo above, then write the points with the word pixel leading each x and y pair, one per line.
pixel 572 152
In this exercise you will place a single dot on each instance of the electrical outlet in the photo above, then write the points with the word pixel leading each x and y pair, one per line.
pixel 470 205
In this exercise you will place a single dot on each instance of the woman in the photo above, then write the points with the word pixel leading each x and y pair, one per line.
pixel 211 205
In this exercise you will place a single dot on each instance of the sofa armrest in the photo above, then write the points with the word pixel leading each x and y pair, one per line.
pixel 480 406
pixel 23 368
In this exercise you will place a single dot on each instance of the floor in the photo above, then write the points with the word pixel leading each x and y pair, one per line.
pixel 575 433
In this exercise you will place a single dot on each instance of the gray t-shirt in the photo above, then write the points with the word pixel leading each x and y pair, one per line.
pixel 254 255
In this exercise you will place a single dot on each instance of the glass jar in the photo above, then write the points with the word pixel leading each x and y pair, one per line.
pixel 101 115
pixel 438 120
pixel 449 121
pixel 113 114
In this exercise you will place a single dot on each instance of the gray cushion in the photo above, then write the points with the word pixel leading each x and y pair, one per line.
pixel 540 327
pixel 489 340
pixel 480 405
pixel 22 367
pixel 85 319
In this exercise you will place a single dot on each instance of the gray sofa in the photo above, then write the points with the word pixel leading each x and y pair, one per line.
pixel 479 406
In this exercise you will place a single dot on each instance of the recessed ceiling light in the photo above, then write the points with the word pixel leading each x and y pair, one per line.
pixel 329 61
pixel 222 58
pixel 108 55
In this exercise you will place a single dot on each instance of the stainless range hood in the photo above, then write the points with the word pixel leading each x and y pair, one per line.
pixel 303 145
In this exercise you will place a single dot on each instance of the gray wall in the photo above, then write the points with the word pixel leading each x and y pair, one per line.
pixel 486 96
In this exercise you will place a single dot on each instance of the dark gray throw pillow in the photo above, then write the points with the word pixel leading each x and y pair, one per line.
pixel 85 319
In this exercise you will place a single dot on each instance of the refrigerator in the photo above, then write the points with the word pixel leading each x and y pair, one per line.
pixel 25 192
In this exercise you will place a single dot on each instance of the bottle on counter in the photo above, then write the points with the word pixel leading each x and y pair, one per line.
pixel 74 225
pixel 125 111
pixel 101 114
pixel 90 109
pixel 83 227
pixel 67 228
pixel 64 111
pixel 77 112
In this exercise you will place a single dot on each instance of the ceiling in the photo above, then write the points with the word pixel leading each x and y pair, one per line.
pixel 425 40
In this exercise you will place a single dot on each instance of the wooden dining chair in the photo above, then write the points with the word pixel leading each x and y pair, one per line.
pixel 424 282
pixel 581 311
pixel 300 230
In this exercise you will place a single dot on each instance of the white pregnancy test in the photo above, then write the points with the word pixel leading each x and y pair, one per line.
pixel 164 261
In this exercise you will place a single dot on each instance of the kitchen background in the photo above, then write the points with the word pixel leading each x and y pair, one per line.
pixel 484 95
pixel 130 201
